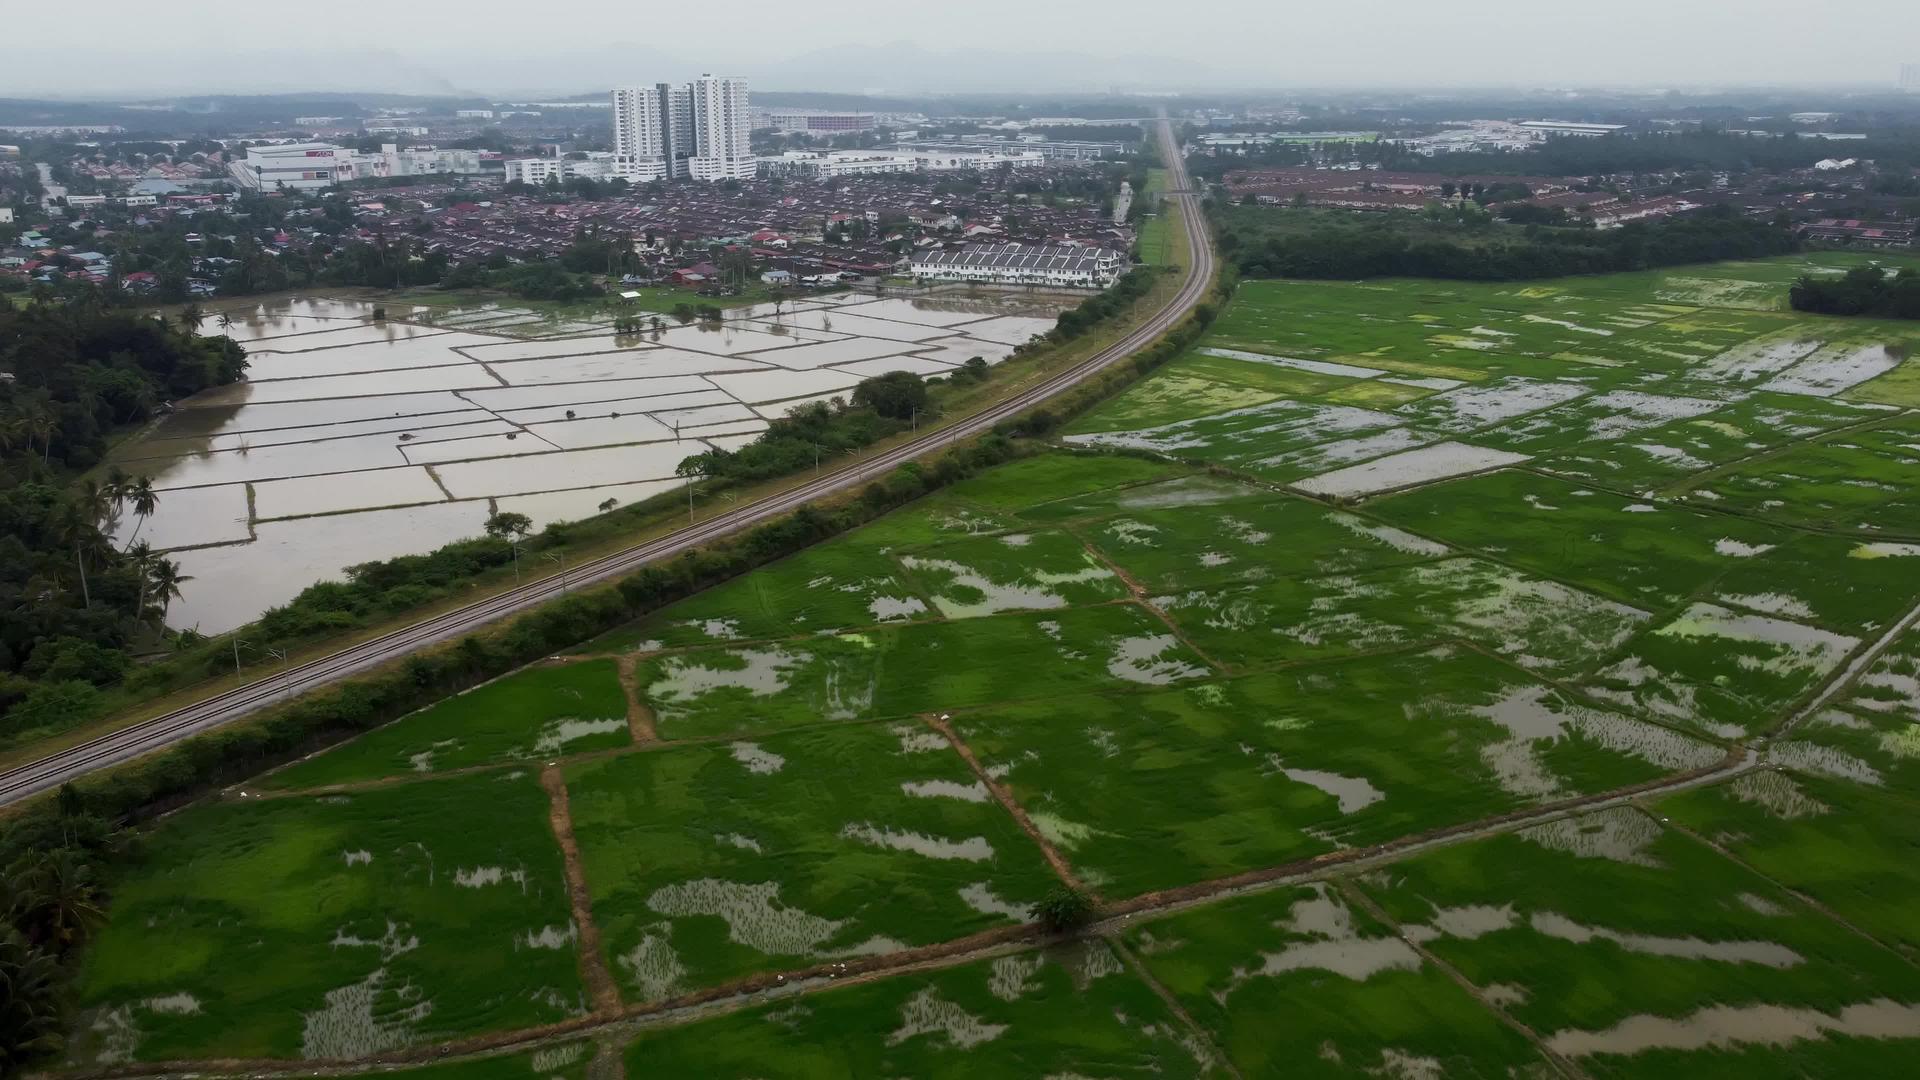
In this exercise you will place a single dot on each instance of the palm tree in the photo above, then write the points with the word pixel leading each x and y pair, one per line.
pixel 167 579
pixel 141 554
pixel 191 317
pixel 52 897
pixel 30 1021
pixel 77 522
pixel 145 501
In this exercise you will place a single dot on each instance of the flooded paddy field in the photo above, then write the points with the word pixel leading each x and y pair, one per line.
pixel 530 718
pixel 1074 1010
pixel 492 408
pixel 1636 950
pixel 335 926
pixel 1154 674
pixel 1303 982
pixel 793 830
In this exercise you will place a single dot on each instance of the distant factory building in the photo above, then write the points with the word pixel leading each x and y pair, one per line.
pixel 1568 127
pixel 813 121
pixel 1020 264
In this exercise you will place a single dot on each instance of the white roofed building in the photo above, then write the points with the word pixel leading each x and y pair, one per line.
pixel 1021 264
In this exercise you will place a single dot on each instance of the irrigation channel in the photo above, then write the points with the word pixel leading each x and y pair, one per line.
pixel 47 773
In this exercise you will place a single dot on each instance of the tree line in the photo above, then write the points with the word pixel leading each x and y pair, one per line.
pixel 77 586
pixel 1263 243
pixel 1863 290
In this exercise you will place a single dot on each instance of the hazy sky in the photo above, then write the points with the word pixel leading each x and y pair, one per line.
pixel 126 46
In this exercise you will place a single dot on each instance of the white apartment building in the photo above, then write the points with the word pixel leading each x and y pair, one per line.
pixel 595 166
pixel 697 131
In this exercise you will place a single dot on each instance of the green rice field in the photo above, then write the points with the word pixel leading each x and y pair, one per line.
pixel 1419 679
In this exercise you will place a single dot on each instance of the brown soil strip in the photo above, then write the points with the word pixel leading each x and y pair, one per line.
pixel 1173 1003
pixel 439 483
pixel 639 717
pixel 1061 867
pixel 1364 902
pixel 609 1062
pixel 601 989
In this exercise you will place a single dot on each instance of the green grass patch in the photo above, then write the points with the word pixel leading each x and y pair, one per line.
pixel 1540 624
pixel 1044 569
pixel 1861 481
pixel 1032 481
pixel 1069 1011
pixel 1298 982
pixel 1726 671
pixel 1175 549
pixel 1648 554
pixel 1144 792
pixel 707 863
pixel 531 715
pixel 1848 846
pixel 336 926
pixel 1624 944
pixel 916 668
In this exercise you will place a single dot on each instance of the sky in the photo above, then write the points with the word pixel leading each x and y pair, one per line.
pixel 131 47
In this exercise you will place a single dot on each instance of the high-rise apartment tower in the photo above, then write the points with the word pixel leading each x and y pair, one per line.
pixel 698 130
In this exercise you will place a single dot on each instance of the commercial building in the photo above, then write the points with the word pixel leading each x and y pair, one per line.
pixel 696 131
pixel 307 166
pixel 1567 127
pixel 1051 149
pixel 836 163
pixel 957 160
pixel 1020 264
pixel 294 166
pixel 813 121
pixel 595 166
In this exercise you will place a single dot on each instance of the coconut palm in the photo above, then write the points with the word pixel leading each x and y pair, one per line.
pixel 77 522
pixel 53 898
pixel 30 1021
pixel 140 553
pixel 191 317
pixel 145 501
pixel 166 580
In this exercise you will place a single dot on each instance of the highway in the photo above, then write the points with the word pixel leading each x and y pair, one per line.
pixel 159 732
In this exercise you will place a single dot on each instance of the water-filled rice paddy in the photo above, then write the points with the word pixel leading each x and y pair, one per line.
pixel 1386 579
pixel 487 409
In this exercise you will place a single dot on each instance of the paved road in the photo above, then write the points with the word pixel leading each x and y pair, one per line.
pixel 161 731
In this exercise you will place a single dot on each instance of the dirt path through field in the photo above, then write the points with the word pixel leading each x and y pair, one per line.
pixel 1061 866
pixel 601 989
pixel 639 718
pixel 1365 903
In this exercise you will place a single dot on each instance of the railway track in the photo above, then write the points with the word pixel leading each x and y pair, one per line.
pixel 159 732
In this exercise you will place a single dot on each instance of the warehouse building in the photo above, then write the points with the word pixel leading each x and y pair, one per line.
pixel 1021 264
